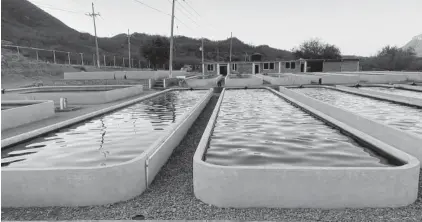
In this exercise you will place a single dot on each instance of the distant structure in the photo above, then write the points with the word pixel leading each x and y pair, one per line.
pixel 256 57
pixel 257 66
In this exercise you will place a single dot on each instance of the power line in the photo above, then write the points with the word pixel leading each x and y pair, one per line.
pixel 202 20
pixel 185 9
pixel 186 2
pixel 59 9
pixel 188 15
pixel 158 10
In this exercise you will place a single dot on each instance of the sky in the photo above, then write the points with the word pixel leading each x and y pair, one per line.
pixel 357 27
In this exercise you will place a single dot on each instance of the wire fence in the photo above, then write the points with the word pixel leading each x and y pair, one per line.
pixel 72 58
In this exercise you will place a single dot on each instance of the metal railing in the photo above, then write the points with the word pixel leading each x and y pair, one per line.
pixel 71 58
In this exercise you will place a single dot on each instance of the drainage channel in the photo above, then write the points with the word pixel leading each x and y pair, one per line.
pixel 254 127
pixel 402 117
pixel 395 91
pixel 109 139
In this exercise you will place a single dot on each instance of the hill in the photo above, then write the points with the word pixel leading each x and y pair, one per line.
pixel 25 24
pixel 415 43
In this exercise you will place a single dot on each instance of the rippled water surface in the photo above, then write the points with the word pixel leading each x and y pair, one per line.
pixel 400 92
pixel 112 138
pixel 399 116
pixel 257 128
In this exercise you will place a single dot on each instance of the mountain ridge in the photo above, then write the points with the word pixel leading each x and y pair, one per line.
pixel 25 24
pixel 416 44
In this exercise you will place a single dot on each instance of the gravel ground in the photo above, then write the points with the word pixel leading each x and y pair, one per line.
pixel 171 198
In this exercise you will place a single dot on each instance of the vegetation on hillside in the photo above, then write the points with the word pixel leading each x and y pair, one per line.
pixel 157 52
pixel 315 49
pixel 393 58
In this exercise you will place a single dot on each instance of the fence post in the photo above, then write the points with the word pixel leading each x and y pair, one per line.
pixel 54 56
pixel 105 64
pixel 68 57
pixel 36 51
pixel 17 49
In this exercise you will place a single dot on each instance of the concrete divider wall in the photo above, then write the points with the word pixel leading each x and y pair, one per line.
pixel 77 186
pixel 162 150
pixel 265 77
pixel 305 187
pixel 414 77
pixel 382 78
pixel 143 82
pixel 159 74
pixel 380 95
pixel 117 94
pixel 65 88
pixel 30 111
pixel 334 79
pixel 405 141
pixel 243 82
pixel 73 186
pixel 293 79
pixel 408 87
pixel 203 83
pixel 79 98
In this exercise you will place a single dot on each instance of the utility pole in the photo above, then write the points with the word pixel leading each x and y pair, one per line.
pixel 128 42
pixel 203 64
pixel 231 41
pixel 218 54
pixel 171 40
pixel 93 14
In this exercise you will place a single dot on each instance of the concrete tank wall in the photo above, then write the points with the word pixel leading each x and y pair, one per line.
pixel 29 112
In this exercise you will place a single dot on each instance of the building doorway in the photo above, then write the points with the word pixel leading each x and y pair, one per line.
pixel 315 65
pixel 256 68
pixel 302 67
pixel 223 70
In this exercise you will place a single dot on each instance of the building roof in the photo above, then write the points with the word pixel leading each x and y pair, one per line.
pixel 293 60
pixel 332 60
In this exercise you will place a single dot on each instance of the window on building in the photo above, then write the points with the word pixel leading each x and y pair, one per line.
pixel 234 67
pixel 287 65
pixel 210 67
pixel 293 65
pixel 269 65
